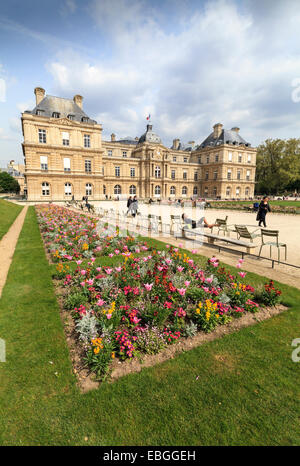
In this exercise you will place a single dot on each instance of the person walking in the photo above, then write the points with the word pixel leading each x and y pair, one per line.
pixel 129 202
pixel 263 209
pixel 134 206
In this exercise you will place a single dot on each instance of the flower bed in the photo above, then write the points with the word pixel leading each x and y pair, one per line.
pixel 147 303
pixel 69 236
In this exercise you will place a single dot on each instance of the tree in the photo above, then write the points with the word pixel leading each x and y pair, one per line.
pixel 277 166
pixel 8 184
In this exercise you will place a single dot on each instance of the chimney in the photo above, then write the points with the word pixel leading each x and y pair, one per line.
pixel 78 100
pixel 112 137
pixel 136 138
pixel 235 128
pixel 175 144
pixel 39 94
pixel 217 130
pixel 192 143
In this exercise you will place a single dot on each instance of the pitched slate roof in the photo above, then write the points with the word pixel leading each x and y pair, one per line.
pixel 150 136
pixel 226 137
pixel 51 104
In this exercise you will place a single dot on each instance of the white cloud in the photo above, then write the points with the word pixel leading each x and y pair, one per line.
pixel 217 63
pixel 2 90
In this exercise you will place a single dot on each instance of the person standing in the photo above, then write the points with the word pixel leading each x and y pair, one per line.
pixel 263 209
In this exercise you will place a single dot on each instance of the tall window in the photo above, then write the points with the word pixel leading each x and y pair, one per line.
pixel 87 140
pixel 132 189
pixel 42 136
pixel 199 159
pixel 217 157
pixel 68 189
pixel 157 190
pixel 44 162
pixel 88 189
pixel 229 174
pixel 206 176
pixel 206 191
pixel 109 152
pixel 173 174
pixel 104 189
pixel 173 190
pixel 214 191
pixel 185 159
pixel 184 175
pixel 249 158
pixel 67 164
pixel 117 189
pixel 238 174
pixel 184 190
pixel 248 175
pixel 229 156
pixel 174 159
pixel 124 154
pixel 215 174
pixel 228 191
pixel 55 115
pixel 65 138
pixel 157 172
pixel 207 159
pixel 237 191
pixel 45 189
pixel 117 172
pixel 87 166
pixel 132 172
pixel 196 176
pixel 240 158
pixel 247 192
pixel 195 190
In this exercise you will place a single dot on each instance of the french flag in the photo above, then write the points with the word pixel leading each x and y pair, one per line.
pixel 148 117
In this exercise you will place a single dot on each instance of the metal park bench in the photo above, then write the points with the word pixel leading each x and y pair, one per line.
pixel 272 234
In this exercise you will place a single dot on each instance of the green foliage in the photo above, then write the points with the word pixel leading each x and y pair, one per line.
pixel 277 166
pixel 8 184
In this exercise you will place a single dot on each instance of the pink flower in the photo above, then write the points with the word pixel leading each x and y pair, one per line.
pixel 109 316
pixel 187 283
pixel 93 259
pixel 167 246
pixel 206 289
pixel 194 251
pixel 209 280
pixel 180 268
pixel 181 291
pixel 117 251
pixel 100 302
pixel 108 271
pixel 99 269
pixel 160 268
pixel 169 261
pixel 82 283
pixel 148 286
pixel 118 269
pixel 90 281
pixel 98 248
pixel 241 261
pixel 242 274
pixel 137 250
pixel 176 249
pixel 78 262
pixel 111 255
pixel 83 272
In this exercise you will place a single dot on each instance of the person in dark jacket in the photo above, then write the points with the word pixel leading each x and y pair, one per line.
pixel 263 209
pixel 129 202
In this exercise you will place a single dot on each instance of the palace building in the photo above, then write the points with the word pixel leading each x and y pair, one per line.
pixel 65 156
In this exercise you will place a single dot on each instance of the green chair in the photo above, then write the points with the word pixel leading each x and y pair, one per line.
pixel 272 234
pixel 243 232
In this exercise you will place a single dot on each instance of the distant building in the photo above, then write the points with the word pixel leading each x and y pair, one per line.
pixel 17 171
pixel 64 156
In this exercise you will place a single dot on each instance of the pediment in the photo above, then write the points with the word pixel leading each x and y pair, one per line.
pixel 64 121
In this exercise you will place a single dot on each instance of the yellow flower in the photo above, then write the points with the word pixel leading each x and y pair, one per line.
pixel 113 355
pixel 85 246
pixel 96 350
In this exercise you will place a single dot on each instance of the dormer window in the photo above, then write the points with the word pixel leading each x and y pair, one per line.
pixel 84 119
pixel 71 117
pixel 40 112
pixel 55 115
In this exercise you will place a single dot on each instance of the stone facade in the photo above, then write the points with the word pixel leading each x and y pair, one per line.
pixel 65 157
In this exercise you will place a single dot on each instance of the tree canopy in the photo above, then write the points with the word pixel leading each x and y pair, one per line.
pixel 8 184
pixel 278 166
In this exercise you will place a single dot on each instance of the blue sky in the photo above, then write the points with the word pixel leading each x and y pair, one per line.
pixel 188 63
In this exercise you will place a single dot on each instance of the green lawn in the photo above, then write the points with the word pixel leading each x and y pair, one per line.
pixel 8 213
pixel 242 389
pixel 295 204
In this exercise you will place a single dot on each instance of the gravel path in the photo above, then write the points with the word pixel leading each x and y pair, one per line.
pixel 8 245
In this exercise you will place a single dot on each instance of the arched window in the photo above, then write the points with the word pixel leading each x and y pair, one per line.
pixel 132 189
pixel 117 189
pixel 247 192
pixel 195 190
pixel 172 190
pixel 237 191
pixel 184 191
pixel 228 191
pixel 104 189
pixel 88 189
pixel 157 172
pixel 157 190
pixel 68 189
pixel 45 189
